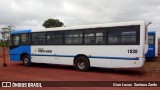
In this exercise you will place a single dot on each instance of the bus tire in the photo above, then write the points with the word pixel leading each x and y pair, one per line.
pixel 26 60
pixel 82 63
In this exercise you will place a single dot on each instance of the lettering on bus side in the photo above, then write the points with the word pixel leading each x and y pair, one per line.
pixel 44 51
pixel 132 51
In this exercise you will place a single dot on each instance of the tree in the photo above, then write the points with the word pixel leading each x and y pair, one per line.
pixel 50 23
pixel 5 32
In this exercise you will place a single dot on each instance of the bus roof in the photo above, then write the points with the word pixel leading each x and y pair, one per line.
pixel 82 27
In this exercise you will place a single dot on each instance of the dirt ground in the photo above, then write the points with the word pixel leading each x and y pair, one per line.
pixel 15 71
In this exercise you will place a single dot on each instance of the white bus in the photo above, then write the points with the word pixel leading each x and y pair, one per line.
pixel 110 45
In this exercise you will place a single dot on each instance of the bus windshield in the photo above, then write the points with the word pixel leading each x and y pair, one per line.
pixel 151 39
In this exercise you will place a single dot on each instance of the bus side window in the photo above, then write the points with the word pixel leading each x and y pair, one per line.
pixel 38 38
pixel 73 37
pixel 15 40
pixel 50 38
pixel 89 37
pixel 128 37
pixel 114 36
pixel 25 40
pixel 95 36
pixel 58 38
pixel 100 37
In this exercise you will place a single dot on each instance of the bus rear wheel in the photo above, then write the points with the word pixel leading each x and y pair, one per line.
pixel 82 63
pixel 26 60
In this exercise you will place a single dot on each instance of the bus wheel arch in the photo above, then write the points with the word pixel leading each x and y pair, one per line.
pixel 25 59
pixel 82 62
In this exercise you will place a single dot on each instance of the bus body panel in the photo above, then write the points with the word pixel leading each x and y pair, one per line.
pixel 151 51
pixel 128 55
pixel 99 56
pixel 16 52
pixel 65 54
pixel 128 63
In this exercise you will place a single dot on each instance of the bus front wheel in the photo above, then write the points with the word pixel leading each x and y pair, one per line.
pixel 82 63
pixel 26 60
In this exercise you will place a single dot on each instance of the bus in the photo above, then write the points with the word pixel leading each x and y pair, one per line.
pixel 152 45
pixel 109 45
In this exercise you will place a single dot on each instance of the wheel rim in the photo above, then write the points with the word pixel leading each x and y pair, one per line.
pixel 26 60
pixel 81 64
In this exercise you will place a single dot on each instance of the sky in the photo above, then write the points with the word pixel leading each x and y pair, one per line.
pixel 29 14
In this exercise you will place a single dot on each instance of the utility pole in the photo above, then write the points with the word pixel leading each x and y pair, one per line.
pixel 4 57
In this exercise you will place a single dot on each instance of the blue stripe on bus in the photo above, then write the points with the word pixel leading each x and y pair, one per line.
pixel 101 57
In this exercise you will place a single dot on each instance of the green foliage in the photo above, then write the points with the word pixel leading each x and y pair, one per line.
pixel 50 23
pixel 3 45
pixel 5 32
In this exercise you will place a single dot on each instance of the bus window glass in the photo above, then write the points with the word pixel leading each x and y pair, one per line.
pixel 38 38
pixel 150 39
pixel 25 40
pixel 89 37
pixel 94 37
pixel 73 37
pixel 50 38
pixel 100 37
pixel 113 37
pixel 128 37
pixel 16 39
pixel 58 38
pixel 42 38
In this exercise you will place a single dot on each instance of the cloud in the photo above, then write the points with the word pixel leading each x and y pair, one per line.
pixel 32 13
